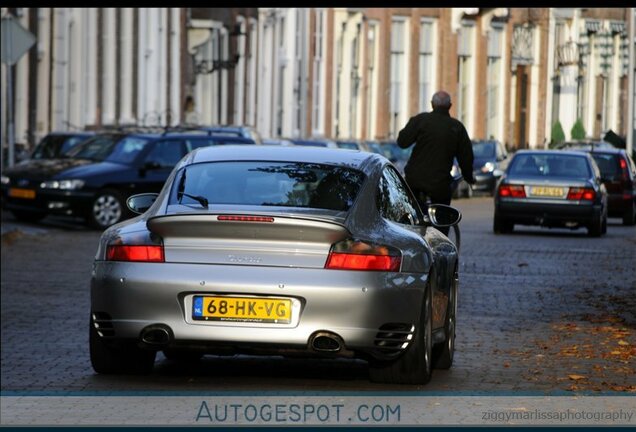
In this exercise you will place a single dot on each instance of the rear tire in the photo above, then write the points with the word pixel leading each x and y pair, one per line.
pixel 415 365
pixel 629 217
pixel 502 226
pixel 595 229
pixel 124 359
pixel 182 356
pixel 443 353
pixel 28 216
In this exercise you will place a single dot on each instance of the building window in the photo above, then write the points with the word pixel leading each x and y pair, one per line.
pixel 398 68
pixel 493 79
pixel 426 64
pixel 465 59
pixel 318 79
pixel 372 46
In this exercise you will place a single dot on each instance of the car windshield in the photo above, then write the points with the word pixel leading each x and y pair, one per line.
pixel 550 165
pixel 608 164
pixel 110 148
pixel 53 146
pixel 348 145
pixel 289 184
pixel 484 149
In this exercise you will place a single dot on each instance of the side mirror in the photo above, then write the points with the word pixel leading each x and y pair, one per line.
pixel 140 203
pixel 442 216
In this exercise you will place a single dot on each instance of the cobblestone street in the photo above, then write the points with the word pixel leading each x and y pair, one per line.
pixel 541 311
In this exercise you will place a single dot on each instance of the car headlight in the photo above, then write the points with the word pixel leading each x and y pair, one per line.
pixel 62 184
pixel 5 180
pixel 488 167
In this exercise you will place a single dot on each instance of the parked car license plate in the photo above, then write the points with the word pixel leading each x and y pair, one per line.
pixel 22 193
pixel 243 309
pixel 546 191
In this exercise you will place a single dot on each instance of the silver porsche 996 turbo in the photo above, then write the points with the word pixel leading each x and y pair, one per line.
pixel 278 250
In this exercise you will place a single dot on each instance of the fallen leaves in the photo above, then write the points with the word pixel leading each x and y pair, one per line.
pixel 577 377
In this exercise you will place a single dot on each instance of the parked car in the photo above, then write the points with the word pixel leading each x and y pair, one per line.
pixel 349 144
pixel 55 144
pixel 280 249
pixel 396 154
pixel 461 189
pixel 95 177
pixel 552 188
pixel 222 130
pixel 618 173
pixel 489 164
pixel 314 142
pixel 277 141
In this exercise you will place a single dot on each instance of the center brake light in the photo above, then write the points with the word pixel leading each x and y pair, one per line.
pixel 512 191
pixel 238 218
pixel 581 194
pixel 353 254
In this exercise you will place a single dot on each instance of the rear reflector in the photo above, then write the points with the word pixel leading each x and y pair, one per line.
pixel 135 253
pixel 357 255
pixel 512 191
pixel 234 218
pixel 581 194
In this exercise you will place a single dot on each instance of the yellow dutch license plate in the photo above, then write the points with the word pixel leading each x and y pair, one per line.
pixel 22 193
pixel 546 191
pixel 242 309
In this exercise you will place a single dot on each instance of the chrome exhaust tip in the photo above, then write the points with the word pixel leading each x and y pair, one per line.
pixel 326 342
pixel 156 335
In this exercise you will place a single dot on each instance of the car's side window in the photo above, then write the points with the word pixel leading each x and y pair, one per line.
pixel 166 154
pixel 394 200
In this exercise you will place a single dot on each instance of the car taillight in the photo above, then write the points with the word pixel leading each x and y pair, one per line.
pixel 135 253
pixel 581 194
pixel 512 191
pixel 358 255
pixel 624 171
pixel 137 246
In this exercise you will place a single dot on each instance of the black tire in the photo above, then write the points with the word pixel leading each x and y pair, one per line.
pixel 28 216
pixel 108 208
pixel 443 353
pixel 502 226
pixel 415 365
pixel 629 217
pixel 124 359
pixel 182 356
pixel 595 229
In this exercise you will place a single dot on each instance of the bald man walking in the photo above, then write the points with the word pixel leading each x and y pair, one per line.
pixel 438 138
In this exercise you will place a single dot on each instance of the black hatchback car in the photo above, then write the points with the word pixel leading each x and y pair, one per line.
pixel 489 164
pixel 551 188
pixel 94 178
pixel 618 173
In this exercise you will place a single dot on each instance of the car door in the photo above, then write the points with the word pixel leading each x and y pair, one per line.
pixel 397 204
pixel 157 164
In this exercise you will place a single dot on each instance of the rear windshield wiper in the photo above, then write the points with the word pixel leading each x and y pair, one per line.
pixel 202 200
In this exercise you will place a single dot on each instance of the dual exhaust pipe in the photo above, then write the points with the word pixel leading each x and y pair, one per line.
pixel 160 335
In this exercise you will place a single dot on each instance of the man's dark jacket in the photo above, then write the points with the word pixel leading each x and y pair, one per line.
pixel 438 139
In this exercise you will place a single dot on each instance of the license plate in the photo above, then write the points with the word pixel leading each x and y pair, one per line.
pixel 546 191
pixel 242 309
pixel 22 193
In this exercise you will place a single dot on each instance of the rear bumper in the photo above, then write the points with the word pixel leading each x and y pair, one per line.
pixel 547 214
pixel 70 203
pixel 352 305
pixel 617 204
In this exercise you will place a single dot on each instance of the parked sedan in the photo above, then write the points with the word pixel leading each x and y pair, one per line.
pixel 94 178
pixel 618 173
pixel 55 144
pixel 551 188
pixel 286 250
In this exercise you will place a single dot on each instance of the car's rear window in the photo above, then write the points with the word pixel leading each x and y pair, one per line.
pixel 53 146
pixel 289 184
pixel 111 148
pixel 608 164
pixel 550 165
